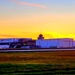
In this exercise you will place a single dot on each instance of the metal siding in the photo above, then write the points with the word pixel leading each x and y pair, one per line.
pixel 59 43
pixel 12 40
pixel 44 44
pixel 38 42
pixel 73 43
pixel 8 40
pixel 4 46
pixel 47 43
pixel 64 43
pixel 53 43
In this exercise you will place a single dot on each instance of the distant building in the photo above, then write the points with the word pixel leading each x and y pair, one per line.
pixel 13 42
pixel 40 37
pixel 39 43
pixel 29 44
pixel 55 43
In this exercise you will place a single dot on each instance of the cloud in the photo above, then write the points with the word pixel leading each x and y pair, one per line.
pixel 29 4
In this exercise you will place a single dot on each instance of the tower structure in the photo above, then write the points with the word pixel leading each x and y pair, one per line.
pixel 40 37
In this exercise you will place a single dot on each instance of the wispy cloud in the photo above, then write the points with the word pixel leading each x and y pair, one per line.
pixel 30 4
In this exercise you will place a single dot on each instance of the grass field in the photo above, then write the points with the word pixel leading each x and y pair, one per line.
pixel 56 63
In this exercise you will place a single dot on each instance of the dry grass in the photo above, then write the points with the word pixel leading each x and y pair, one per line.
pixel 58 57
pixel 54 63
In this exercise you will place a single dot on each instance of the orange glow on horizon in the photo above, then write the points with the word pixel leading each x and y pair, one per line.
pixel 50 25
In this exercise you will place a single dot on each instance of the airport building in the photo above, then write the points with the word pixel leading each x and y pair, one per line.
pixel 54 43
pixel 13 42
pixel 29 43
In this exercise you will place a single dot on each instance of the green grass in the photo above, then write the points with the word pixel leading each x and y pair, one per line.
pixel 26 63
pixel 26 69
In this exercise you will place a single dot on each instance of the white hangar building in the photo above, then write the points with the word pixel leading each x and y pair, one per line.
pixel 55 43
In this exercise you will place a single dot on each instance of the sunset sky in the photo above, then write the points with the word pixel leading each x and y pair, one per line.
pixel 29 18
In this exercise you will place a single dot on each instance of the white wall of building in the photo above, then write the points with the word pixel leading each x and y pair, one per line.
pixel 8 40
pixel 4 46
pixel 12 40
pixel 73 43
pixel 53 43
pixel 65 43
pixel 59 43
pixel 47 43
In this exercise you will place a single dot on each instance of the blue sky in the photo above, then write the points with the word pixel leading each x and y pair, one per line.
pixel 55 5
